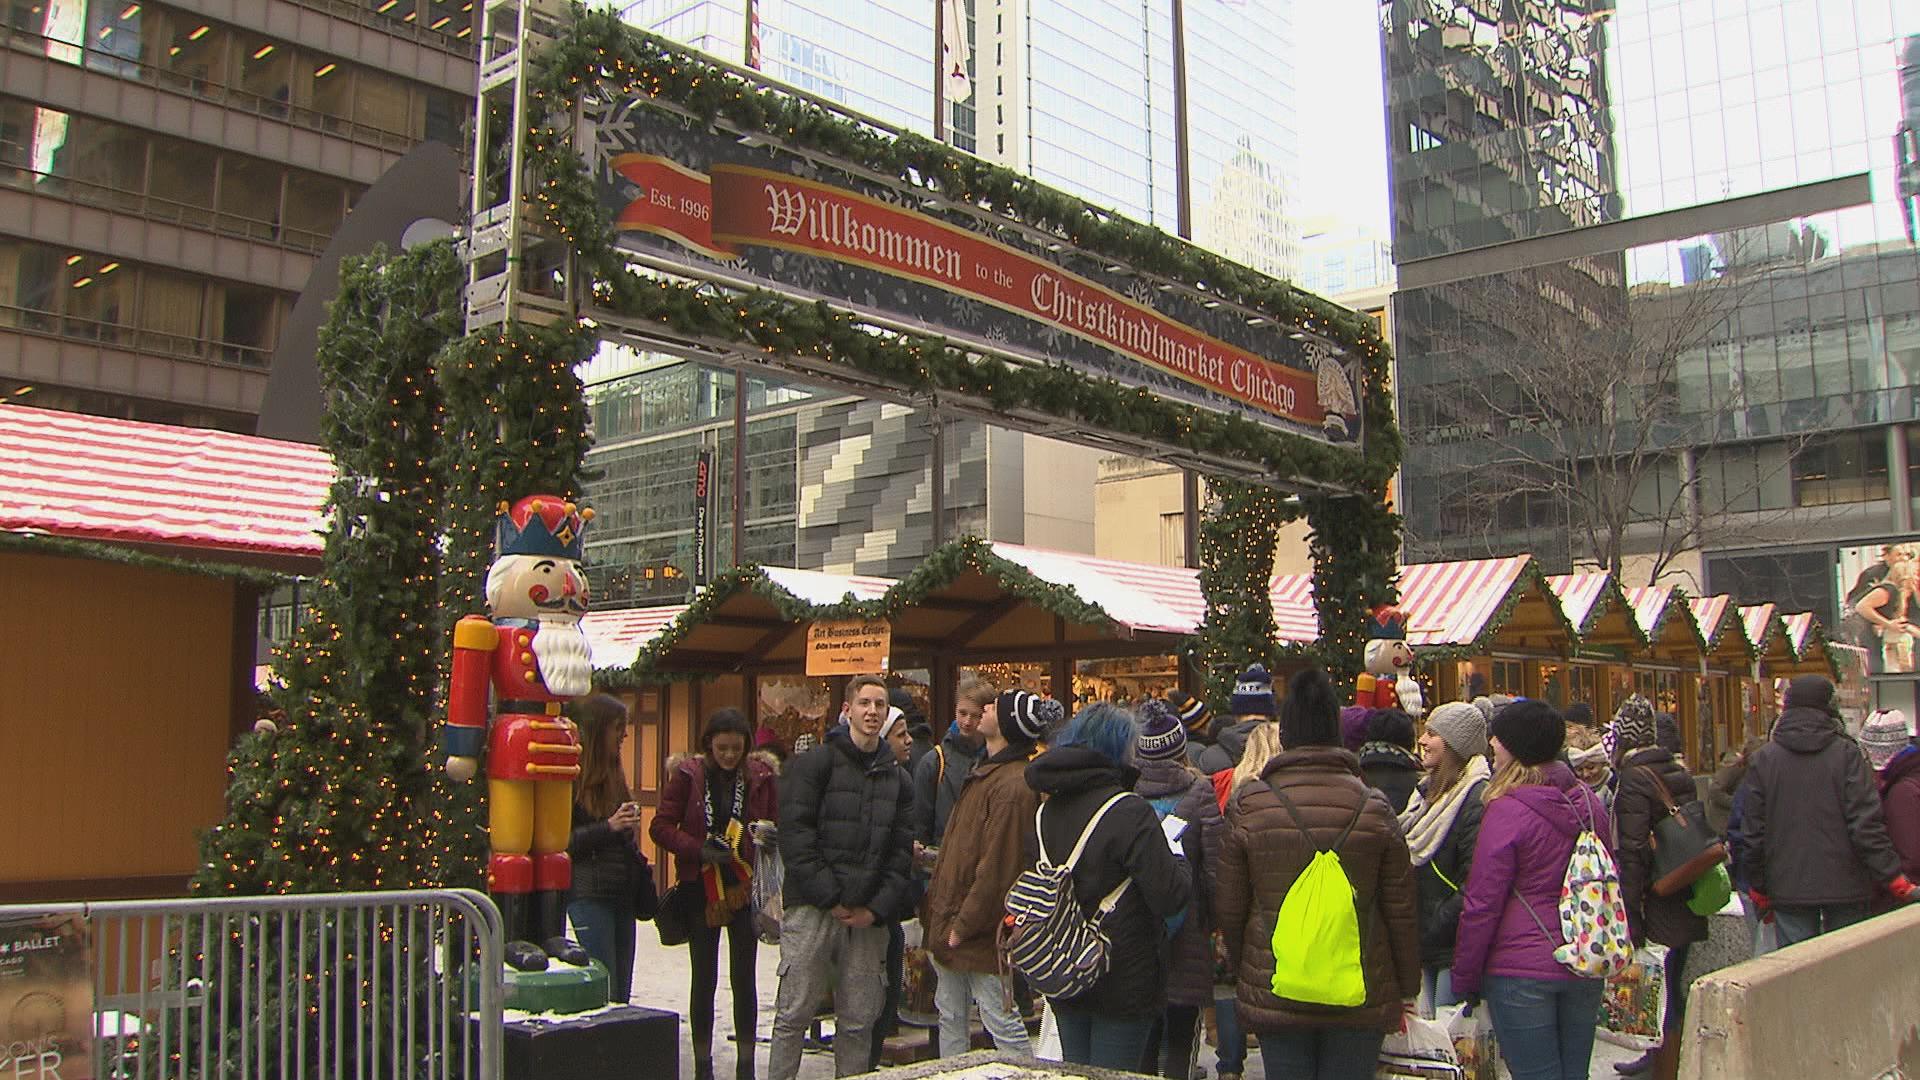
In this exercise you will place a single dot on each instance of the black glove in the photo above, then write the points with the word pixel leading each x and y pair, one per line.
pixel 1472 1002
pixel 715 852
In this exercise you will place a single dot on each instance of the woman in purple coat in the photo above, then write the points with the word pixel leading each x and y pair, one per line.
pixel 1543 1014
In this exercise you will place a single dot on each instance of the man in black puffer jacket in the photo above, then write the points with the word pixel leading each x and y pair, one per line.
pixel 846 834
pixel 1816 849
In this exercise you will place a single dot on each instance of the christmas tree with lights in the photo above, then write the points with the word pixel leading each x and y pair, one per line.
pixel 332 799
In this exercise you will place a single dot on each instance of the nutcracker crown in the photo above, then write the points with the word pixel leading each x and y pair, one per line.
pixel 1387 624
pixel 543 525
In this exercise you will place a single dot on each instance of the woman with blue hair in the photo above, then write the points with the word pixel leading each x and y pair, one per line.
pixel 1093 760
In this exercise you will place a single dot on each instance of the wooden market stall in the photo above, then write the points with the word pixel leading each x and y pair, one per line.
pixel 1070 626
pixel 132 557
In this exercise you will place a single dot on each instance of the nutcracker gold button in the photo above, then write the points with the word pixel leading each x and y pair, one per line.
pixel 525 639
pixel 528 675
pixel 526 658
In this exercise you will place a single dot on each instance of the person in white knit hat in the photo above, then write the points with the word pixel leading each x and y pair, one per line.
pixel 1442 822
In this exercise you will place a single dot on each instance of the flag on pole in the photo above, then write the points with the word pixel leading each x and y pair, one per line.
pixel 953 51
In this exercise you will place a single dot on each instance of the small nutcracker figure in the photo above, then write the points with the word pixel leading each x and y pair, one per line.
pixel 533 655
pixel 1388 681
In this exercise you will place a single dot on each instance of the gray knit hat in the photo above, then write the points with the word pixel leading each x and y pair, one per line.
pixel 1884 735
pixel 1634 726
pixel 1461 726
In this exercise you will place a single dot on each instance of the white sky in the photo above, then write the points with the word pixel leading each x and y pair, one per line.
pixel 1341 117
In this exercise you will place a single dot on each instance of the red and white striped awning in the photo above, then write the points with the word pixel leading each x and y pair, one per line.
pixel 1297 620
pixel 1649 604
pixel 820 587
pixel 1450 603
pixel 614 637
pixel 96 478
pixel 1758 620
pixel 1799 629
pixel 1138 596
pixel 1708 612
pixel 1579 594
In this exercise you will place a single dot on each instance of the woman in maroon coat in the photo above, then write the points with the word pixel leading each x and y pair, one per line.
pixel 1895 760
pixel 705 818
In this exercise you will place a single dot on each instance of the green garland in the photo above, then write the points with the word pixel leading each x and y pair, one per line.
pixel 1238 535
pixel 74 547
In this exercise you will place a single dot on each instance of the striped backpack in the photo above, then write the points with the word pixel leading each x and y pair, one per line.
pixel 1057 948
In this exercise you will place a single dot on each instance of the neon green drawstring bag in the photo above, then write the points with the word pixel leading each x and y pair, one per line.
pixel 1711 892
pixel 1316 939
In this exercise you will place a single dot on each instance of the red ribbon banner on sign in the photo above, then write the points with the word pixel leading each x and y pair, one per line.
pixel 739 205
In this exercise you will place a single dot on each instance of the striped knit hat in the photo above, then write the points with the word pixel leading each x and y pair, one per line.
pixel 1191 711
pixel 1025 716
pixel 1162 736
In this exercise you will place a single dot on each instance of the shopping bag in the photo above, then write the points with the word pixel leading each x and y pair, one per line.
pixel 1474 1046
pixel 917 978
pixel 1424 1051
pixel 1633 1011
pixel 1047 1047
pixel 769 877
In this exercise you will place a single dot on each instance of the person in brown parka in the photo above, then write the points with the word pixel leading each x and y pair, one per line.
pixel 989 835
pixel 1266 849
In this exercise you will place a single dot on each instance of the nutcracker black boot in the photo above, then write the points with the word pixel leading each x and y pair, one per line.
pixel 552 921
pixel 519 953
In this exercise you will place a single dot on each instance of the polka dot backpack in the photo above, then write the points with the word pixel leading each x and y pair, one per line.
pixel 1593 915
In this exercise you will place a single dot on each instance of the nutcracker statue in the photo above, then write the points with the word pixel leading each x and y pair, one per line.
pixel 1388 681
pixel 533 655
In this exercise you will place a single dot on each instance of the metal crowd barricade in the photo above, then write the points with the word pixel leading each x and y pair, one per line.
pixel 328 986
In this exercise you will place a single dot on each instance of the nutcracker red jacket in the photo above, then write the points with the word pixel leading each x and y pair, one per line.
pixel 680 824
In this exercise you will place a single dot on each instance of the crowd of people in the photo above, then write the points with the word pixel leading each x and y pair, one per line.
pixel 1196 853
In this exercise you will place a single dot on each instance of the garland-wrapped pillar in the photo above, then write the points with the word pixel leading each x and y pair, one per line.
pixel 1238 533
pixel 1355 546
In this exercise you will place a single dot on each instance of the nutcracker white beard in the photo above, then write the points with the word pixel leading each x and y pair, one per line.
pixel 560 648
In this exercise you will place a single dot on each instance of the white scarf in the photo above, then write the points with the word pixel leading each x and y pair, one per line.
pixel 1427 826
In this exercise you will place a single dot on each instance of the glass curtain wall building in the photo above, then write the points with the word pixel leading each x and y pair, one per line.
pixel 1664 232
pixel 169 173
pixel 1079 93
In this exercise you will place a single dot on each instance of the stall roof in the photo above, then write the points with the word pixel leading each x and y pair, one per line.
pixel 613 637
pixel 160 486
pixel 1580 594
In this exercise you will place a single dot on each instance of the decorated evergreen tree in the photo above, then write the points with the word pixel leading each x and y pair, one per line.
pixel 330 800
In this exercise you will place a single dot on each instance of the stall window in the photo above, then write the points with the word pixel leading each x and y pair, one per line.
pixel 1507 677
pixel 794 705
pixel 1125 680
pixel 1034 678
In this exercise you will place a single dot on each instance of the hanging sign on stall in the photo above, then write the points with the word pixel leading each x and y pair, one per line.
pixel 848 646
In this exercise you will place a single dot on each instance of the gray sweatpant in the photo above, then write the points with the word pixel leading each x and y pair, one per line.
pixel 815 947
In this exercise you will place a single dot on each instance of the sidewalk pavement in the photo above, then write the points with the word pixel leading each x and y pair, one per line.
pixel 661 980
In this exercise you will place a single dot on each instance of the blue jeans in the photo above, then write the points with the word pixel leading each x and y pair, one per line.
pixel 606 930
pixel 1231 1055
pixel 1797 924
pixel 1104 1042
pixel 1545 1026
pixel 1436 990
pixel 1327 1053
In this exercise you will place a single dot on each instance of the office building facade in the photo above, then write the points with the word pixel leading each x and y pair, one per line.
pixel 1707 205
pixel 169 173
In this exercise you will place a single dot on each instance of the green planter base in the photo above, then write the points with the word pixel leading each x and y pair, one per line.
pixel 559 989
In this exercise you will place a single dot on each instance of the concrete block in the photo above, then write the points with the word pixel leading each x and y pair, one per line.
pixel 1844 1006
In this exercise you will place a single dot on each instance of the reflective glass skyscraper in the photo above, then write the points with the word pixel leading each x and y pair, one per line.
pixel 1713 202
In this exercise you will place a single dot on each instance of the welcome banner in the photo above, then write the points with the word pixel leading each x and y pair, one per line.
pixel 948 276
